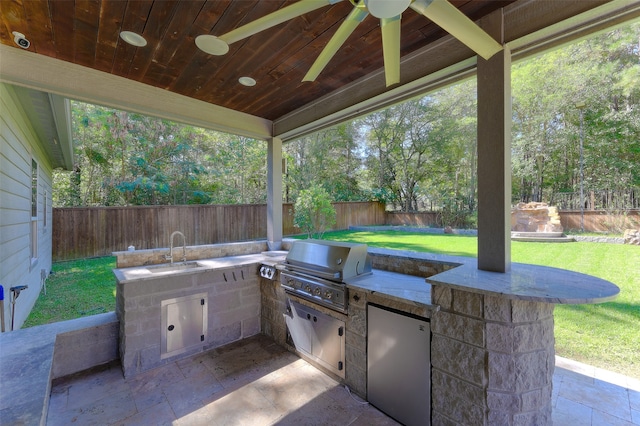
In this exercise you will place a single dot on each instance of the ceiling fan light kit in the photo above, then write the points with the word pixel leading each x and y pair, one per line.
pixel 440 12
pixel 386 8
pixel 212 45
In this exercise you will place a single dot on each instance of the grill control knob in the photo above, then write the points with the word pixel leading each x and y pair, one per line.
pixel 328 295
pixel 317 291
pixel 308 288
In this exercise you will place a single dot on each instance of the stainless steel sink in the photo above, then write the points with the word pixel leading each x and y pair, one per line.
pixel 174 267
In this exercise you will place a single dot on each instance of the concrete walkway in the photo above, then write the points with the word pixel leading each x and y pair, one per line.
pixel 586 395
pixel 31 357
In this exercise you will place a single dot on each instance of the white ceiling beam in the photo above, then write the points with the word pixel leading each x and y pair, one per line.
pixel 40 72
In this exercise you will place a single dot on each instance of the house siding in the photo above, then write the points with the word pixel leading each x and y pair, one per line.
pixel 18 146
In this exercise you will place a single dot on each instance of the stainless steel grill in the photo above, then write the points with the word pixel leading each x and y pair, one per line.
pixel 316 270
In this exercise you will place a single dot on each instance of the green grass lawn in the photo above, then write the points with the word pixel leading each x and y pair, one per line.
pixel 606 335
pixel 75 289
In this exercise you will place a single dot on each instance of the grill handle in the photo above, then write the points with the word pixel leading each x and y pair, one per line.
pixel 314 272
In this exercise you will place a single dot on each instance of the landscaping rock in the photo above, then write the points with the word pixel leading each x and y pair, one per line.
pixel 595 239
pixel 535 217
pixel 632 236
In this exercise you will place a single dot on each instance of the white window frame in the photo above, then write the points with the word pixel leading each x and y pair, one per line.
pixel 33 244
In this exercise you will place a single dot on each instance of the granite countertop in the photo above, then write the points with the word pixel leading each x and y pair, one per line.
pixel 529 282
pixel 394 285
pixel 148 272
pixel 523 282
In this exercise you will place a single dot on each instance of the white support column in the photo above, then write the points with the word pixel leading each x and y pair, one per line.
pixel 274 193
pixel 494 156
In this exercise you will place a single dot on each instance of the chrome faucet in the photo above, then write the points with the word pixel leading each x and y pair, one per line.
pixel 169 257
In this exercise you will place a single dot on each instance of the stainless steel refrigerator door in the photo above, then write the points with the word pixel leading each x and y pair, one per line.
pixel 399 366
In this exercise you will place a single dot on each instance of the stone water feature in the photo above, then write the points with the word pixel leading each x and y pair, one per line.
pixel 536 222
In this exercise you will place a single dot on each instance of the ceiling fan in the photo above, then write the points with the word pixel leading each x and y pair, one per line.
pixel 441 12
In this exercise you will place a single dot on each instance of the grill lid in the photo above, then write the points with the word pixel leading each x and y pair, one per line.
pixel 329 259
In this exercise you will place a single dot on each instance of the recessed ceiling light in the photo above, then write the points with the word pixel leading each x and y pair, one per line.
pixel 247 81
pixel 212 45
pixel 133 38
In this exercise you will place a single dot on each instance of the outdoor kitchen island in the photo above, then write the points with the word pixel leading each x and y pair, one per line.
pixel 492 346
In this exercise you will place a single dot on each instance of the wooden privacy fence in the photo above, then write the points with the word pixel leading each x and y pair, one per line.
pixel 600 221
pixel 80 232
pixel 594 220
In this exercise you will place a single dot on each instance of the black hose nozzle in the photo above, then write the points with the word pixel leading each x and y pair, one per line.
pixel 17 289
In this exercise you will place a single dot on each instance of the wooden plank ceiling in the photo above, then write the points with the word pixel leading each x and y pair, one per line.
pixel 86 32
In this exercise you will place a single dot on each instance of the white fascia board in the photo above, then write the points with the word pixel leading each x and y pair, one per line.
pixel 61 110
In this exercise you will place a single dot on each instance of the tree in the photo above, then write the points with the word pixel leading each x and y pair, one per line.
pixel 329 156
pixel 601 72
pixel 313 212
pixel 424 151
pixel 126 158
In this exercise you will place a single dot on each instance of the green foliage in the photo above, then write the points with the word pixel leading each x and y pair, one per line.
pixel 454 214
pixel 330 156
pixel 600 72
pixel 423 151
pixel 314 213
pixel 129 159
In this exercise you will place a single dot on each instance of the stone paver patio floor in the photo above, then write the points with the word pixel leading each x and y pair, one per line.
pixel 256 382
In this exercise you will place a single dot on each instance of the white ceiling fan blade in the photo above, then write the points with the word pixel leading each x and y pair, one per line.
pixel 275 18
pixel 356 16
pixel 456 23
pixel 391 49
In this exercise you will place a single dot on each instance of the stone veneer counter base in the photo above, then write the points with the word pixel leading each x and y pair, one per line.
pixel 492 348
